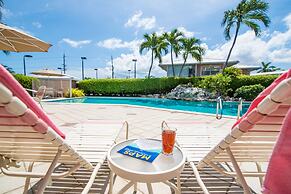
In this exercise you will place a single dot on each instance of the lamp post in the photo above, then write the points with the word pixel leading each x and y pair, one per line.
pixel 83 58
pixel 24 67
pixel 96 69
pixel 129 73
pixel 134 60
pixel 59 68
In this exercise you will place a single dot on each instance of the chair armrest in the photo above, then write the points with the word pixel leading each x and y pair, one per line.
pixel 30 90
pixel 92 178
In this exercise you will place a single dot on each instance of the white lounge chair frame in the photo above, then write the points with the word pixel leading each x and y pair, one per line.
pixel 19 142
pixel 252 140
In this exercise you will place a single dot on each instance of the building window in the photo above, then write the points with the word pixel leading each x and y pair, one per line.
pixel 210 70
pixel 191 72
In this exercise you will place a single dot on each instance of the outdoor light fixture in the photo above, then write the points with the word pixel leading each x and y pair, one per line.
pixel 129 73
pixel 96 69
pixel 24 66
pixel 61 69
pixel 83 58
pixel 134 60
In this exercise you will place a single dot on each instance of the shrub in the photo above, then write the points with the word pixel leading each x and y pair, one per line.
pixel 132 86
pixel 25 81
pixel 217 84
pixel 232 72
pixel 249 92
pixel 245 80
pixel 75 93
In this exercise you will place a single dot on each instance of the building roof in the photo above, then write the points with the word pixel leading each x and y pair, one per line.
pixel 271 73
pixel 64 77
pixel 164 65
pixel 248 67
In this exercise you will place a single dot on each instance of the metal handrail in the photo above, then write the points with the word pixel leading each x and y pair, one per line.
pixel 239 108
pixel 219 107
pixel 164 123
pixel 126 129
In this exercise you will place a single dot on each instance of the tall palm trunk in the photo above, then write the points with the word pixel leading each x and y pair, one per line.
pixel 149 75
pixel 183 66
pixel 172 61
pixel 233 43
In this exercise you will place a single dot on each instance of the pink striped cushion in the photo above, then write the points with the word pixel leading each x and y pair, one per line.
pixel 263 95
pixel 278 175
pixel 12 84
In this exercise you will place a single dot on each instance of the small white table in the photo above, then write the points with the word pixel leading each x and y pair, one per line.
pixel 162 169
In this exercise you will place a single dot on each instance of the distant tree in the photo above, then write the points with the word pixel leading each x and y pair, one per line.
pixel 1 7
pixel 249 13
pixel 191 46
pixel 173 39
pixel 156 45
pixel 267 67
pixel 9 69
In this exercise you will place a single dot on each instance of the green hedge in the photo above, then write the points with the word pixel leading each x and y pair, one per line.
pixel 132 86
pixel 245 80
pixel 249 92
pixel 25 81
pixel 164 85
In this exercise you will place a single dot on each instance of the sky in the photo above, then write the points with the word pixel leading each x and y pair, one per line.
pixel 99 29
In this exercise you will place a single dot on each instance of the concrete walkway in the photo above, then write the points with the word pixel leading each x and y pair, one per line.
pixel 143 122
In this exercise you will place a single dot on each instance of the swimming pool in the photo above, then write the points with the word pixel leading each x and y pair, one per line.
pixel 229 108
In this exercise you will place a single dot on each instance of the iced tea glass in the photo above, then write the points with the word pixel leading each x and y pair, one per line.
pixel 168 140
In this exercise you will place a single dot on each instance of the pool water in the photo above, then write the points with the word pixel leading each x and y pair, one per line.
pixel 229 108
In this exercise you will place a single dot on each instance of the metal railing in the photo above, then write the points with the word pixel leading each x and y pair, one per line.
pixel 239 108
pixel 219 108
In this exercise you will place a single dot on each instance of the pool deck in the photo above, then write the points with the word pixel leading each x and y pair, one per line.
pixel 143 122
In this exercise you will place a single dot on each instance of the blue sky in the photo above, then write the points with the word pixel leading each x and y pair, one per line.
pixel 99 29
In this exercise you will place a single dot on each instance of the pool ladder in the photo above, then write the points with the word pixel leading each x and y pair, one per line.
pixel 219 108
pixel 239 108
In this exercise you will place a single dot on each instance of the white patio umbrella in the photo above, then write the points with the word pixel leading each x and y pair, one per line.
pixel 14 40
pixel 47 72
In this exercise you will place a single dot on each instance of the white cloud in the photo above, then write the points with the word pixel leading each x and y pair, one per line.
pixel 182 29
pixel 115 43
pixel 252 50
pixel 37 24
pixel 124 62
pixel 75 43
pixel 138 21
pixel 249 50
pixel 185 31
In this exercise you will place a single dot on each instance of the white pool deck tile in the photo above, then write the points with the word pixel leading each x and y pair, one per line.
pixel 143 122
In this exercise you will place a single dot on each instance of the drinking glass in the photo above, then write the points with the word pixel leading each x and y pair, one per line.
pixel 168 139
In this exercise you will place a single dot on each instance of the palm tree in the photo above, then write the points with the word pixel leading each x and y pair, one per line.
pixel 1 6
pixel 267 67
pixel 173 39
pixel 191 46
pixel 249 13
pixel 9 69
pixel 156 45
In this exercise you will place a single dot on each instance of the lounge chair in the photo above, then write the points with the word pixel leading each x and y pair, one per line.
pixel 251 139
pixel 280 162
pixel 28 135
pixel 38 94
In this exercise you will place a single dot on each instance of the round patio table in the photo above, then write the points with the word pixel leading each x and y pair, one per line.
pixel 162 169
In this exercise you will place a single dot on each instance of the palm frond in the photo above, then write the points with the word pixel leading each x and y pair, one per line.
pixel 255 27
pixel 259 16
pixel 227 29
